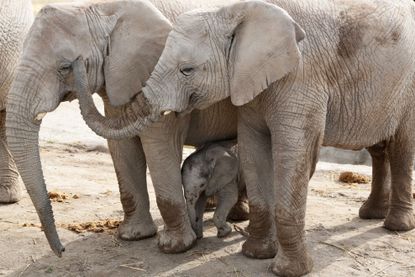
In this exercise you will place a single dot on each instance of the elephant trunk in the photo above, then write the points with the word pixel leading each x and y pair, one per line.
pixel 23 140
pixel 135 116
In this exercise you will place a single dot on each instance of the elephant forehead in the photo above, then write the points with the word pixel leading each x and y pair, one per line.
pixel 183 49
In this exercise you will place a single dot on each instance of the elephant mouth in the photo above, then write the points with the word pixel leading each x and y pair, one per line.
pixel 177 114
pixel 180 112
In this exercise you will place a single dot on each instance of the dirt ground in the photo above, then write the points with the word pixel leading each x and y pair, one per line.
pixel 76 162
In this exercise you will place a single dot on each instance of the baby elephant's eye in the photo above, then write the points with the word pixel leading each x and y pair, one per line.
pixel 186 71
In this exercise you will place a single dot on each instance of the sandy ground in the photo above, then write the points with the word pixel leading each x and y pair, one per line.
pixel 75 161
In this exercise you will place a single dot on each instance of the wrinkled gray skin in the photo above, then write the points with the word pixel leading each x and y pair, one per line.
pixel 120 42
pixel 212 170
pixel 348 83
pixel 16 16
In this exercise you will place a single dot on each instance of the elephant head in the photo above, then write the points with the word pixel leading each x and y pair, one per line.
pixel 204 173
pixel 237 51
pixel 120 41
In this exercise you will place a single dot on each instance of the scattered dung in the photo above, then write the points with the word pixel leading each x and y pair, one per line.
pixel 352 177
pixel 31 225
pixel 100 226
pixel 57 196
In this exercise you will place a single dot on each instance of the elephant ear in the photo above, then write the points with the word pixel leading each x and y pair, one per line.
pixel 134 47
pixel 225 169
pixel 263 47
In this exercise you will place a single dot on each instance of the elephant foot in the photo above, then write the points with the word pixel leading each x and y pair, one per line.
pixel 239 212
pixel 296 265
pixel 373 209
pixel 224 231
pixel 259 248
pixel 400 220
pixel 137 230
pixel 10 193
pixel 176 241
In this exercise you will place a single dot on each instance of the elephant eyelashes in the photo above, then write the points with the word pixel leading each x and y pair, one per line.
pixel 187 71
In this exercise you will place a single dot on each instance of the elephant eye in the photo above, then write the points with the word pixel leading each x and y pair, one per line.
pixel 64 69
pixel 187 71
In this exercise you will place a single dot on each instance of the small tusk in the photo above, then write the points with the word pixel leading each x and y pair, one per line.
pixel 40 116
pixel 166 112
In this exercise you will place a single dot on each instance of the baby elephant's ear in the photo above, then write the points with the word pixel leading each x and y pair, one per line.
pixel 224 170
pixel 263 45
pixel 134 47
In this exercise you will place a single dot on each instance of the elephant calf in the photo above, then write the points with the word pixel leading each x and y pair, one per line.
pixel 212 170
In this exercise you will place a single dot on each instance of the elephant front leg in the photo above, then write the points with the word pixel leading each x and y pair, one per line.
pixel 10 189
pixel 130 167
pixel 163 148
pixel 256 163
pixel 240 211
pixel 377 205
pixel 227 198
pixel 294 154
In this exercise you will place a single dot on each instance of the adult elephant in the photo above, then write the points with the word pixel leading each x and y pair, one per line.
pixel 350 83
pixel 121 42
pixel 16 18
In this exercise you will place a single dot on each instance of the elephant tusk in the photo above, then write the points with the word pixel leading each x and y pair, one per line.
pixel 40 116
pixel 166 112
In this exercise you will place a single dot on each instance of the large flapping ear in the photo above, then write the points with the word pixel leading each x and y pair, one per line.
pixel 225 169
pixel 263 47
pixel 134 47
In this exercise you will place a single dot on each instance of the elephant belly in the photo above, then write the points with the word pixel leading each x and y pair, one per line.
pixel 218 122
pixel 360 127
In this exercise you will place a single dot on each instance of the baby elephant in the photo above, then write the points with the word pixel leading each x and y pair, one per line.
pixel 212 170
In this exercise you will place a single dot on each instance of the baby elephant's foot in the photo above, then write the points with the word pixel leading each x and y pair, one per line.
pixel 400 220
pixel 176 241
pixel 373 209
pixel 136 230
pixel 10 193
pixel 224 230
pixel 296 265
pixel 259 248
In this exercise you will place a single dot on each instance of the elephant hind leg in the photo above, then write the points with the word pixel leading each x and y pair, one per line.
pixel 401 154
pixel 240 211
pixel 377 204
pixel 10 189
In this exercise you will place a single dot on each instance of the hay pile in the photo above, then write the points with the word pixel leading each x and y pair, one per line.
pixel 352 177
